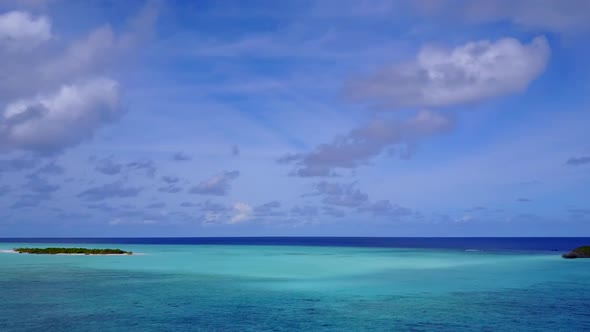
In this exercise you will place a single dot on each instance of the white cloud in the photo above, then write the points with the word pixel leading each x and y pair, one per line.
pixel 221 214
pixel 64 118
pixel 59 95
pixel 102 46
pixel 217 185
pixel 464 219
pixel 366 142
pixel 83 55
pixel 341 194
pixel 22 31
pixel 443 77
pixel 26 74
pixel 242 212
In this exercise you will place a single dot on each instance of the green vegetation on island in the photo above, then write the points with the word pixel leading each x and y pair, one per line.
pixel 71 251
pixel 581 252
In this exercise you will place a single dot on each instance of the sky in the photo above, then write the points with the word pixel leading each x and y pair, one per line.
pixel 294 118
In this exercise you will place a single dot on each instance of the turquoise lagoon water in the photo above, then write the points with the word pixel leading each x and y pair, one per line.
pixel 292 288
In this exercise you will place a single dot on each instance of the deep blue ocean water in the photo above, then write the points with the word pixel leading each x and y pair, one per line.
pixel 298 284
pixel 482 243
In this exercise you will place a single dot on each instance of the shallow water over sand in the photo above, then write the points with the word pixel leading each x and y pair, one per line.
pixel 292 288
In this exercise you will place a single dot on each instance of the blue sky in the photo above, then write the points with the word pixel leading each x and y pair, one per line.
pixel 358 118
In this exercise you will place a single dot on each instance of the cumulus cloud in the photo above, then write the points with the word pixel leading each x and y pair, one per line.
pixel 21 31
pixel 110 190
pixel 241 212
pixel 222 214
pixel 269 209
pixel 135 219
pixel 57 95
pixel 437 77
pixel 102 47
pixel 108 166
pixel 385 208
pixel 578 161
pixel 218 185
pixel 144 165
pixel 170 179
pixel 338 199
pixel 212 213
pixel 343 195
pixel 208 206
pixel 465 74
pixel 466 218
pixel 83 55
pixel 366 142
pixel 68 116
pixel 171 184
pixel 170 189
pixel 303 214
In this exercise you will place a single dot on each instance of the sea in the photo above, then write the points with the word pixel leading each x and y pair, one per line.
pixel 297 284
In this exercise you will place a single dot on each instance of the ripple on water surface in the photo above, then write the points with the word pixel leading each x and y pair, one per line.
pixel 281 288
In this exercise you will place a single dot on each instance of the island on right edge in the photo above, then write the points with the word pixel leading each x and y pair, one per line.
pixel 580 252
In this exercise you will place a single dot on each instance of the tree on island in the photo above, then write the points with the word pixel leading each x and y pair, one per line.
pixel 580 252
pixel 84 251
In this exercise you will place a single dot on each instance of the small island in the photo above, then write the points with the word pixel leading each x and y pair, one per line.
pixel 71 251
pixel 581 252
